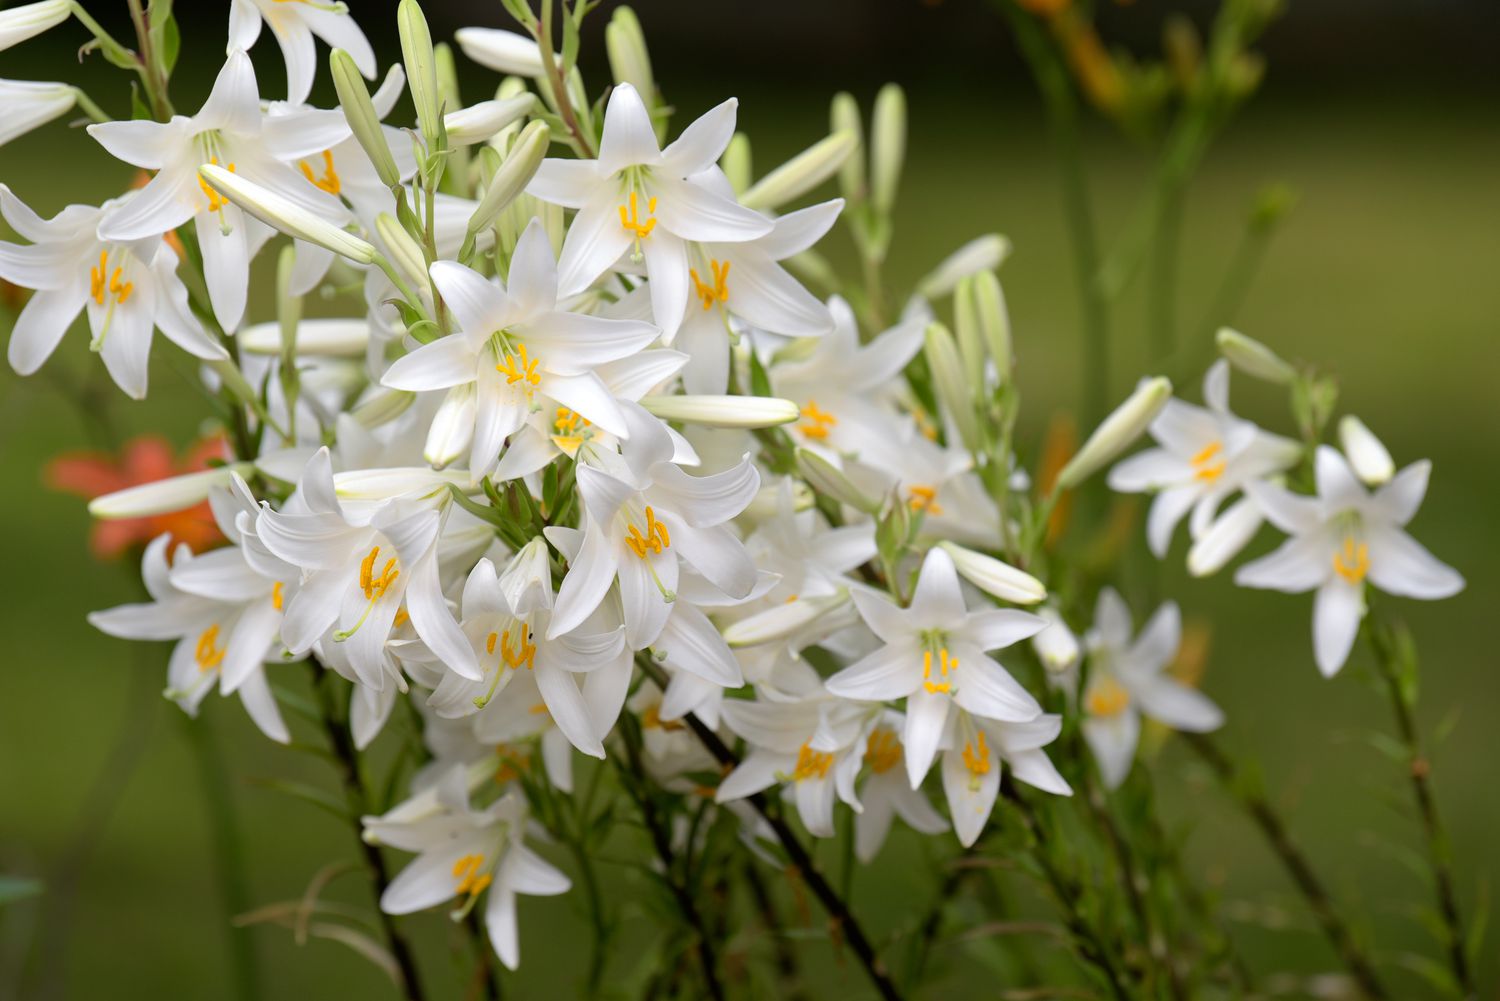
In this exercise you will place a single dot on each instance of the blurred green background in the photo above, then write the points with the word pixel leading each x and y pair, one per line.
pixel 1380 116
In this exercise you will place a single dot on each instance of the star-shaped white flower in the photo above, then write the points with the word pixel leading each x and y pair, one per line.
pixel 973 752
pixel 294 23
pixel 887 793
pixel 1341 538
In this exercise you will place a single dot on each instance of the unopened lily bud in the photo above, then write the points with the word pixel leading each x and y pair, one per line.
pixel 629 60
pixel 994 321
pixel 452 429
pixel 950 384
pixel 382 407
pixel 828 479
pixel 985 253
pixel 396 481
pixel 30 20
pixel 403 249
pixel 510 87
pixel 735 163
pixel 887 146
pixel 843 116
pixel 745 412
pixel 1117 432
pixel 802 172
pixel 1371 460
pixel 175 493
pixel 995 577
pixel 480 122
pixel 1056 646
pixel 966 333
pixel 330 338
pixel 421 67
pixel 511 179
pixel 1222 542
pixel 781 621
pixel 527 580
pixel 281 213
pixel 1254 358
pixel 31 104
pixel 502 51
pixel 364 120
pixel 812 268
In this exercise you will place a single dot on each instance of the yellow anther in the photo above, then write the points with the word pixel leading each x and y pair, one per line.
pixel 518 366
pixel 882 750
pixel 278 596
pixel 102 281
pixel 538 709
pixel 1208 464
pixel 489 643
pixel 329 181
pixel 817 422
pixel 921 497
pixel 632 220
pixel 719 290
pixel 208 654
pixel 524 651
pixel 811 764
pixel 653 540
pixel 216 201
pixel 375 586
pixel 651 720
pixel 976 756
pixel 401 619
pixel 1107 697
pixel 946 666
pixel 1353 561
pixel 470 880
pixel 572 429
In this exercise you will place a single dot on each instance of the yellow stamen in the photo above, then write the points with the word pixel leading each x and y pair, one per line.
pixel 976 756
pixel 329 182
pixel 651 720
pixel 654 540
pixel 923 498
pixel 374 587
pixel 572 429
pixel 1107 697
pixel 401 619
pixel 811 764
pixel 818 421
pixel 102 281
pixel 208 654
pixel 216 201
pixel 882 750
pixel 1207 466
pixel 523 653
pixel 518 366
pixel 470 880
pixel 632 221
pixel 719 290
pixel 278 596
pixel 946 666
pixel 1353 561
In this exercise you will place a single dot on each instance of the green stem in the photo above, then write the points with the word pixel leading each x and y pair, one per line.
pixel 88 107
pixel 151 75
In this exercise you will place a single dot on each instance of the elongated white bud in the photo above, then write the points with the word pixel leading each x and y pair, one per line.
pixel 995 577
pixel 502 51
pixel 826 478
pixel 629 59
pixel 363 119
pixel 1371 460
pixel 843 116
pixel 887 146
pixel 1254 358
pixel 175 493
pixel 403 250
pixel 477 123
pixel 1230 532
pixel 527 580
pixel 452 429
pixel 1118 431
pixel 31 104
pixel 802 172
pixel 984 253
pixel 397 481
pixel 285 215
pixel 30 20
pixel 421 67
pixel 950 384
pixel 1056 646
pixel 510 180
pixel 382 407
pixel 748 412
pixel 994 321
pixel 781 621
pixel 327 338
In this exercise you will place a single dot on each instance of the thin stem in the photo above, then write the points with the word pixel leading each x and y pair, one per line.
pixel 156 84
pixel 1419 768
pixel 558 84
pixel 88 107
pixel 486 979
pixel 838 911
pixel 341 742
pixel 1253 802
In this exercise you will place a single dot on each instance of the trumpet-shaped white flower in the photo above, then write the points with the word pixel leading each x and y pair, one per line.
pixel 31 104
pixel 232 132
pixel 887 793
pixel 642 513
pixel 1127 680
pixel 295 24
pixel 128 289
pixel 464 852
pixel 31 19
pixel 934 657
pixel 513 346
pixel 973 752
pixel 358 573
pixel 1205 456
pixel 1341 538
pixel 641 199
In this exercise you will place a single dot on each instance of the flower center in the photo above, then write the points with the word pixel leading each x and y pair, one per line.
pixel 328 181
pixel 923 498
pixel 654 539
pixel 514 655
pixel 216 201
pixel 208 654
pixel 945 666
pixel 471 881
pixel 1209 464
pixel 1107 697
pixel 651 720
pixel 113 284
pixel 811 764
pixel 631 220
pixel 573 430
pixel 373 585
pixel 518 366
pixel 719 290
pixel 1352 562
pixel 818 422
pixel 976 755
pixel 882 750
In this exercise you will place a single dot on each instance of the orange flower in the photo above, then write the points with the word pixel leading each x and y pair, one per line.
pixel 145 459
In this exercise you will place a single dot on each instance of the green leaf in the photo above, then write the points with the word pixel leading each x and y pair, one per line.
pixel 171 44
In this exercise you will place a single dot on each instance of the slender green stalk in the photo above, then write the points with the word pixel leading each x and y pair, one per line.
pixel 151 68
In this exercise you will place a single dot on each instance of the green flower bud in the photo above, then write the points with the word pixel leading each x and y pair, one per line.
pixel 887 146
pixel 802 172
pixel 354 99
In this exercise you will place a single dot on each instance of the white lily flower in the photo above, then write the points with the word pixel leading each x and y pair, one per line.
pixel 502 51
pixel 295 24
pixel 514 345
pixel 642 199
pixel 357 574
pixel 31 19
pixel 1341 538
pixel 225 627
pixel 973 752
pixel 232 132
pixel 887 793
pixel 934 657
pixel 128 289
pixel 1205 456
pixel 1127 680
pixel 31 104
pixel 642 514
pixel 814 745
pixel 463 852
